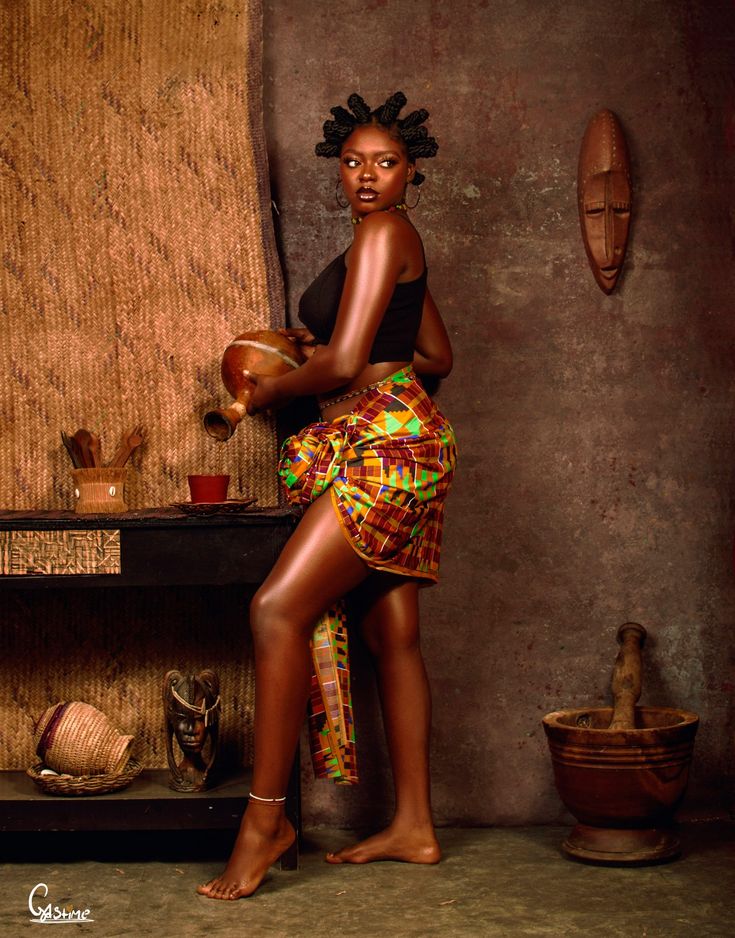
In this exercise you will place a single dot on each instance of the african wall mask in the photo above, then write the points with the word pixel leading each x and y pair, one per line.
pixel 604 194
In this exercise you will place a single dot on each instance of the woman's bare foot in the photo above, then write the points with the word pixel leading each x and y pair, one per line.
pixel 264 834
pixel 410 844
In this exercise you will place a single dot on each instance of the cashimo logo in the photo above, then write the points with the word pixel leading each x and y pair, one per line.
pixel 49 914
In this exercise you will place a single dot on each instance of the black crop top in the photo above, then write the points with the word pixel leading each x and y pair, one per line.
pixel 396 336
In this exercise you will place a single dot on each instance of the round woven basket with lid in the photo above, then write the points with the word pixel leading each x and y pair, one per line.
pixel 77 739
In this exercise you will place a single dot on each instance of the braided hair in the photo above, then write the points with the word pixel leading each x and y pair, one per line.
pixel 410 130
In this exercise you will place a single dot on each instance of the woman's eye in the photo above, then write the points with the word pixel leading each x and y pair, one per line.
pixel 351 162
pixel 387 163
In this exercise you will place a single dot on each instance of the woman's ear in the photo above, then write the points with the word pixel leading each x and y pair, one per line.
pixel 411 172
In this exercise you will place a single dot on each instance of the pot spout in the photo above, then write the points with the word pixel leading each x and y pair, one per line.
pixel 221 423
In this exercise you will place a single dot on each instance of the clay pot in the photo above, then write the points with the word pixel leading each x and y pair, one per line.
pixel 622 785
pixel 263 352
pixel 77 739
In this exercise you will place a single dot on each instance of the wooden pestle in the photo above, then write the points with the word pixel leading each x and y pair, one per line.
pixel 626 678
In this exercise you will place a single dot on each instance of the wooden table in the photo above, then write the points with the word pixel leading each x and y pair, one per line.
pixel 157 547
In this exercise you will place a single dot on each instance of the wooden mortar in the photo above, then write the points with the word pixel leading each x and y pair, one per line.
pixel 622 771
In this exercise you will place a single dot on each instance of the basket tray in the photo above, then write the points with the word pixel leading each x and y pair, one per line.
pixel 84 784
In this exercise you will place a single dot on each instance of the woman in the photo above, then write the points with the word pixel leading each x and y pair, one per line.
pixel 383 457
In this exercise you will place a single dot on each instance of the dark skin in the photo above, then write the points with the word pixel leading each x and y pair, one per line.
pixel 386 250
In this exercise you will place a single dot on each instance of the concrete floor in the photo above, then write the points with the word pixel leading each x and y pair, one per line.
pixel 492 882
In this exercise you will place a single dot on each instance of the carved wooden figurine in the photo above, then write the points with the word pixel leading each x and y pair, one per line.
pixel 604 194
pixel 191 707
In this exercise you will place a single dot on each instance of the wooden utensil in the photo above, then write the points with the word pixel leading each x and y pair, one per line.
pixel 130 441
pixel 82 439
pixel 94 447
pixel 71 450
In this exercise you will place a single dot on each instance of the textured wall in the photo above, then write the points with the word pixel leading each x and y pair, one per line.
pixel 596 443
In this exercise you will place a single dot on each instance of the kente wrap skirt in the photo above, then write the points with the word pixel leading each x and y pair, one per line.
pixel 387 466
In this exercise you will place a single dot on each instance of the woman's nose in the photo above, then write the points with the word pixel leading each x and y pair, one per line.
pixel 367 172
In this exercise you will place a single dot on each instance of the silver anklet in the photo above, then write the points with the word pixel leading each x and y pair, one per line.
pixel 253 797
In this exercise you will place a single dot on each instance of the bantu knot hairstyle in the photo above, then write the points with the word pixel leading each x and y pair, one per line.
pixel 414 135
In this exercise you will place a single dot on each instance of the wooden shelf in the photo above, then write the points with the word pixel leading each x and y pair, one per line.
pixel 166 547
pixel 146 804
pixel 159 547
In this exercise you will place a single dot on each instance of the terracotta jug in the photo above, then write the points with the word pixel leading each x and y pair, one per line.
pixel 263 352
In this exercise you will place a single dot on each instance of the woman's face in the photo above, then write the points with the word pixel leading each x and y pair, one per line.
pixel 374 170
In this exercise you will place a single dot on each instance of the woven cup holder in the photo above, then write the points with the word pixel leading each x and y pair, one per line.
pixel 53 784
pixel 99 491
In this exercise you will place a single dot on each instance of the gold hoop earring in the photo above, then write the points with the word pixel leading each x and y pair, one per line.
pixel 336 193
pixel 418 198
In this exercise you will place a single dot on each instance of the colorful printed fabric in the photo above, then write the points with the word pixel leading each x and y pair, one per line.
pixel 331 726
pixel 388 465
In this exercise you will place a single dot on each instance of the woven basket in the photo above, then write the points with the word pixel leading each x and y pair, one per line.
pixel 84 784
pixel 77 739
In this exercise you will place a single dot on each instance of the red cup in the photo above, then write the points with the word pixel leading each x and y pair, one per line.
pixel 208 488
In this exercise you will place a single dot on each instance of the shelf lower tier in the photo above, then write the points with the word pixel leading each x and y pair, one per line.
pixel 146 804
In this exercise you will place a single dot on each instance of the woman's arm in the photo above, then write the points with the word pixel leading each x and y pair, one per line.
pixel 433 355
pixel 377 259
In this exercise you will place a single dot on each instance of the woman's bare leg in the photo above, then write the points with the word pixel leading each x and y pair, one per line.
pixel 316 567
pixel 391 630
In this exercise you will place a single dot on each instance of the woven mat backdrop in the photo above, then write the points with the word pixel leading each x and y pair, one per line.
pixel 136 239
pixel 135 242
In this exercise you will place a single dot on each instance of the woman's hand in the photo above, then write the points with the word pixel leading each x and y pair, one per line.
pixel 302 337
pixel 263 393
